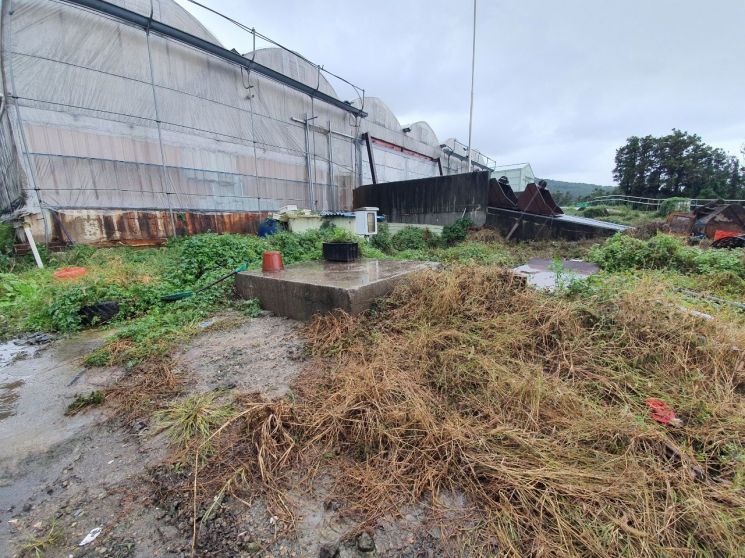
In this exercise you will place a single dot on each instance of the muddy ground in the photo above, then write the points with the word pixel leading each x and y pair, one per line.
pixel 94 470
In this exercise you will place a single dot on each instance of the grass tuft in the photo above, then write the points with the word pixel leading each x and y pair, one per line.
pixel 38 546
pixel 192 420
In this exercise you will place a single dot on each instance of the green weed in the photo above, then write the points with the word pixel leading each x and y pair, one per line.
pixel 622 252
pixel 82 401
pixel 37 546
pixel 415 238
pixel 457 232
pixel 193 418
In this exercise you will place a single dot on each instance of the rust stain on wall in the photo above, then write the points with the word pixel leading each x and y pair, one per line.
pixel 146 228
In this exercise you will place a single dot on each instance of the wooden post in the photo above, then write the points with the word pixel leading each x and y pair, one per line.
pixel 30 238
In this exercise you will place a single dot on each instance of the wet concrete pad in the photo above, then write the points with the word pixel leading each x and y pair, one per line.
pixel 303 290
pixel 547 274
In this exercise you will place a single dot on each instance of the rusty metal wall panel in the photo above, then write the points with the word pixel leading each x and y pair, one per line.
pixel 141 228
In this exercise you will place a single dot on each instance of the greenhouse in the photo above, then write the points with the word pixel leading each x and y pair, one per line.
pixel 129 122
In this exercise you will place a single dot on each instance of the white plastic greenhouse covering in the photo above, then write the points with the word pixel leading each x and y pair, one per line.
pixel 100 116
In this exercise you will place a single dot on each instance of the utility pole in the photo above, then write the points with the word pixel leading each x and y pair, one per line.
pixel 473 71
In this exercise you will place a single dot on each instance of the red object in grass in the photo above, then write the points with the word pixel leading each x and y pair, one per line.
pixel 272 262
pixel 70 272
pixel 719 235
pixel 661 412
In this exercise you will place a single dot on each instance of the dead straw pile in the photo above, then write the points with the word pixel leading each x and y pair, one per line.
pixel 530 405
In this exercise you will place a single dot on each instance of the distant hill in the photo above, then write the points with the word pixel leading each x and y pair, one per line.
pixel 575 189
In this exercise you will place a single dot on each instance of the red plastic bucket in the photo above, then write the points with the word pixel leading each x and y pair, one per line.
pixel 272 262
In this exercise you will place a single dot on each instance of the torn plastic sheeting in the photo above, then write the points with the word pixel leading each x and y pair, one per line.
pixel 662 412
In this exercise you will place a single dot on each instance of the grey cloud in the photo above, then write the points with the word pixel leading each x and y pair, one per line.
pixel 559 84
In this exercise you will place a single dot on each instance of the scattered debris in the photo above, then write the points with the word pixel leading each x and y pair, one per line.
pixel 662 413
pixel 23 347
pixel 38 338
pixel 91 536
pixel 709 220
pixel 70 272
pixel 729 241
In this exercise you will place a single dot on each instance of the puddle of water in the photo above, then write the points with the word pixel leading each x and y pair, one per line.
pixel 25 347
pixel 10 350
pixel 8 397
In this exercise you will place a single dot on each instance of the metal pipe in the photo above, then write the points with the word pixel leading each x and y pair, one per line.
pixel 164 172
pixel 160 28
pixel 373 173
pixel 311 194
pixel 473 73
pixel 332 198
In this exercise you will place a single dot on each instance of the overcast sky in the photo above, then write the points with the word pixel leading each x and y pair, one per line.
pixel 560 84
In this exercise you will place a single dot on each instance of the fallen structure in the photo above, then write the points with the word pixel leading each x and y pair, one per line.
pixel 710 221
pixel 487 202
pixel 501 194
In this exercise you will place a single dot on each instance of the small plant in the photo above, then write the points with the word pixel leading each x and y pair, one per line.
pixel 82 401
pixel 595 211
pixel 415 238
pixel 250 307
pixel 561 278
pixel 7 238
pixel 383 240
pixel 457 232
pixel 193 418
pixel 37 546
pixel 671 205
pixel 343 235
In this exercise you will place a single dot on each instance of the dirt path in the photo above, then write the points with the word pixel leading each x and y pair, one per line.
pixel 89 470
pixel 93 470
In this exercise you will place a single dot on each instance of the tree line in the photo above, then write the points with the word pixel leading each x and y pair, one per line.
pixel 678 164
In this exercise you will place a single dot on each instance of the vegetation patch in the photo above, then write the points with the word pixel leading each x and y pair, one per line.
pixel 36 546
pixel 530 405
pixel 622 253
pixel 193 419
pixel 81 402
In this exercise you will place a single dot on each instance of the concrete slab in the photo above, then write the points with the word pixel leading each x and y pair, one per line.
pixel 542 273
pixel 302 290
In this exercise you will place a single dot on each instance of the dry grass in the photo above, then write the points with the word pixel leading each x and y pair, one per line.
pixel 531 406
pixel 144 388
pixel 485 234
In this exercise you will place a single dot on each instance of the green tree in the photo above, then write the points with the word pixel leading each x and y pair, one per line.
pixel 678 164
